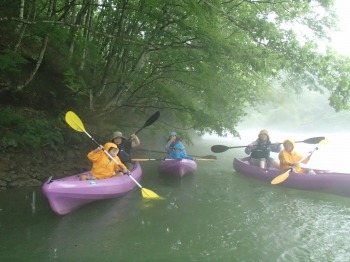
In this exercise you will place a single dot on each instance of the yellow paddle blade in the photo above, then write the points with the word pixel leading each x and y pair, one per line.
pixel 280 178
pixel 146 193
pixel 325 142
pixel 74 121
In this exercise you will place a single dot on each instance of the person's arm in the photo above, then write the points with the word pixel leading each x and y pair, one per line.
pixel 306 160
pixel 120 166
pixel 135 140
pixel 248 150
pixel 276 147
pixel 167 145
pixel 95 154
pixel 301 160
pixel 169 142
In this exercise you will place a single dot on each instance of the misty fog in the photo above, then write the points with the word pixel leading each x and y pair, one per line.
pixel 298 117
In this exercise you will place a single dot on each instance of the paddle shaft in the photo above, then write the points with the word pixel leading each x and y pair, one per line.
pixel 222 148
pixel 159 159
pixel 211 157
pixel 149 122
pixel 271 144
pixel 279 179
pixel 316 148
pixel 74 122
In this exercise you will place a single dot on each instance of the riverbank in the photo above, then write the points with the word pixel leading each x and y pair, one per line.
pixel 23 169
pixel 19 168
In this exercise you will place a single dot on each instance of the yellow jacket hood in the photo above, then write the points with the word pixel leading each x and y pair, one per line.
pixel 109 145
pixel 290 141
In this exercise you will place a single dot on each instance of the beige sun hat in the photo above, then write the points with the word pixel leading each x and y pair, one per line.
pixel 264 132
pixel 117 134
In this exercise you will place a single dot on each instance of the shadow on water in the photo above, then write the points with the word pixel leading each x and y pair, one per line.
pixel 84 235
pixel 175 181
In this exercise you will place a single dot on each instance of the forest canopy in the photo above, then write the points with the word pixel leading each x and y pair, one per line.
pixel 201 63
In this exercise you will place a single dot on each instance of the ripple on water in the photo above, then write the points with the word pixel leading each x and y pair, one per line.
pixel 305 226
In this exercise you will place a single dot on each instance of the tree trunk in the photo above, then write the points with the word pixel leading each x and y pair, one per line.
pixel 88 22
pixel 37 65
pixel 41 54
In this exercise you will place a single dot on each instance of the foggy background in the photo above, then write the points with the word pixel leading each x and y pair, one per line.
pixel 296 116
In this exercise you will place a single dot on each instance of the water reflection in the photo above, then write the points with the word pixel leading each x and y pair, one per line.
pixel 79 233
pixel 215 214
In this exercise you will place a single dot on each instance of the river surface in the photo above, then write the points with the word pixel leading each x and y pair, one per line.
pixel 215 214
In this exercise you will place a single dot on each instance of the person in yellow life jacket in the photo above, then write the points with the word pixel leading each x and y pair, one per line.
pixel 289 158
pixel 104 167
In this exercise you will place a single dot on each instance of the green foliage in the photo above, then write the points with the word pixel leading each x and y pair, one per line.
pixel 10 61
pixel 201 62
pixel 29 130
pixel 75 83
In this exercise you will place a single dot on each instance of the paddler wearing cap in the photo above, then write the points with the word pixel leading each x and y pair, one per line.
pixel 171 142
pixel 259 151
pixel 125 146
pixel 102 166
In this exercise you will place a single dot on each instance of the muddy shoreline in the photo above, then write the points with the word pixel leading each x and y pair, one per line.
pixel 23 169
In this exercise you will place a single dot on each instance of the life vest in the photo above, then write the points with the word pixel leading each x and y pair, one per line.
pixel 261 151
pixel 177 151
pixel 176 155
pixel 178 147
pixel 171 148
pixel 124 149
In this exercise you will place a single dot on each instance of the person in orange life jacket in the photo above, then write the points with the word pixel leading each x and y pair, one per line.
pixel 178 152
pixel 289 158
pixel 125 146
pixel 104 167
pixel 260 149
pixel 172 141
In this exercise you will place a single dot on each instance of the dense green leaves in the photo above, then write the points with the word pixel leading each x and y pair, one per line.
pixel 201 62
pixel 29 129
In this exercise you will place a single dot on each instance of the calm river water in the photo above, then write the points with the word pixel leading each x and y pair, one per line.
pixel 214 215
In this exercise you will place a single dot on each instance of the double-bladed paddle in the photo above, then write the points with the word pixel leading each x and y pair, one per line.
pixel 222 148
pixel 149 122
pixel 74 122
pixel 279 179
pixel 208 157
pixel 159 159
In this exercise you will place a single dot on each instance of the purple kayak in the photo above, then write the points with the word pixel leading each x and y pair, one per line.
pixel 323 181
pixel 177 167
pixel 69 193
